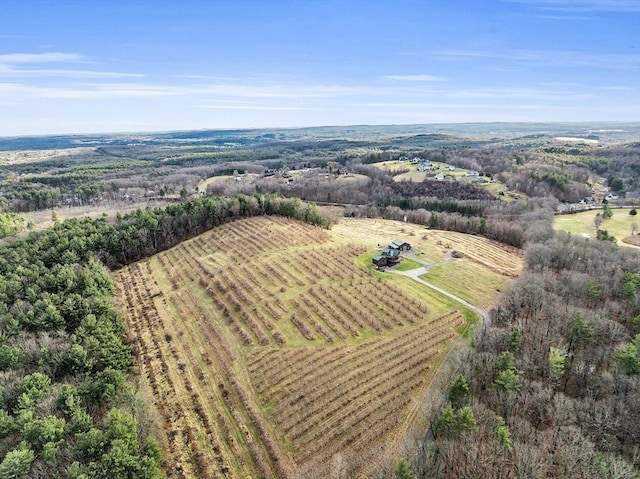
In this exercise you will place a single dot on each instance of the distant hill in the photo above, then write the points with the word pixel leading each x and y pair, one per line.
pixel 612 132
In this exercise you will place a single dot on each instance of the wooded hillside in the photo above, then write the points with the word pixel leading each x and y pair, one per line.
pixel 552 386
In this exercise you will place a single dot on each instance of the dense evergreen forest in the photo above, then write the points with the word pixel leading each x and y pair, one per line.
pixel 66 406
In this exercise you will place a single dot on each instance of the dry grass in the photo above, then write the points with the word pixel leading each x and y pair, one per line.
pixel 269 350
pixel 43 218
pixel 582 224
pixel 433 246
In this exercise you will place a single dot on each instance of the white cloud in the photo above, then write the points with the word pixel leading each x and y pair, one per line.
pixel 547 58
pixel 291 90
pixel 52 57
pixel 87 92
pixel 414 78
pixel 114 101
pixel 269 96
pixel 13 65
pixel 259 90
pixel 410 106
pixel 520 94
pixel 254 107
pixel 582 5
pixel 8 70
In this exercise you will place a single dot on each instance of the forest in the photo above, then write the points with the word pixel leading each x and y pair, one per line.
pixel 550 387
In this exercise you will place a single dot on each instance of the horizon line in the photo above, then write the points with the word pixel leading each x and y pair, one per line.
pixel 358 125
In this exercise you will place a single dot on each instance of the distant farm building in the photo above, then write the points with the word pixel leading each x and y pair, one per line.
pixel 424 166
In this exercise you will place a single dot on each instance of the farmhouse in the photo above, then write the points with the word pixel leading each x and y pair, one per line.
pixel 424 166
pixel 391 254
pixel 399 245
pixel 379 260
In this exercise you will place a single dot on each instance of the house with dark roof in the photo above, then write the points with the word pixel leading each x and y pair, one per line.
pixel 379 260
pixel 399 245
pixel 391 253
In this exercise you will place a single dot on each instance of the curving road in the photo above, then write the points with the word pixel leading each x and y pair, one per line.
pixel 415 275
pixel 417 272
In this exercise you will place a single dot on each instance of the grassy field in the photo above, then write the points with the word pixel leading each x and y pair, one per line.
pixel 459 174
pixel 461 279
pixel 582 224
pixel 272 347
pixel 406 265
pixel 230 179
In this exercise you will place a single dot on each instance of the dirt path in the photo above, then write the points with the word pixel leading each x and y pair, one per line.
pixel 417 272
pixel 443 367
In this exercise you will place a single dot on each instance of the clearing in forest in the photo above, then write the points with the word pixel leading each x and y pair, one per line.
pixel 620 225
pixel 273 353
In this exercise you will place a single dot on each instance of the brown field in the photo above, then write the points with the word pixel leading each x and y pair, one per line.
pixel 272 354
pixel 434 245
pixel 18 157
pixel 43 219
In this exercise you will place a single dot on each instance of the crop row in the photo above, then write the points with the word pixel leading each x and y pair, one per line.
pixel 333 396
pixel 282 370
pixel 158 365
pixel 245 294
pixel 253 310
pixel 359 411
pixel 253 236
pixel 181 356
pixel 237 413
pixel 500 258
pixel 367 359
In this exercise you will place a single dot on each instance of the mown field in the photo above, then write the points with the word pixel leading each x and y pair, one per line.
pixel 273 351
pixel 619 225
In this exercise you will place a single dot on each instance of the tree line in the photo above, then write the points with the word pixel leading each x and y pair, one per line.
pixel 508 232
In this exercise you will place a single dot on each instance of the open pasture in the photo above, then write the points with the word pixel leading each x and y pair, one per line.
pixel 583 224
pixel 270 350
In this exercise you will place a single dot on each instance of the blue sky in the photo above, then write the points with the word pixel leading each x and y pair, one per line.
pixel 88 66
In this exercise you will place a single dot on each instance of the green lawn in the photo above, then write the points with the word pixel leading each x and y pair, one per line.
pixel 438 303
pixel 470 281
pixel 619 225
pixel 407 264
